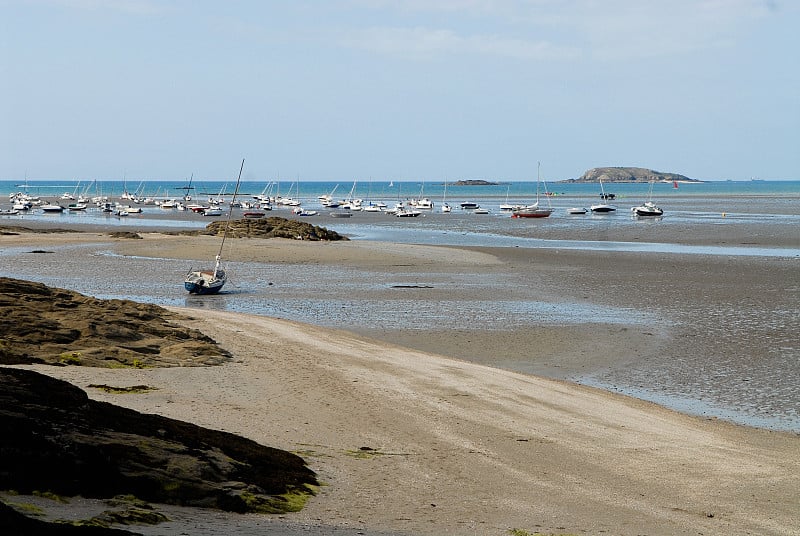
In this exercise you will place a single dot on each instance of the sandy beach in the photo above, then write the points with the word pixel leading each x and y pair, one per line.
pixel 429 432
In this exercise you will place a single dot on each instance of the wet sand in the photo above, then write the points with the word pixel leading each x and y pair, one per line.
pixel 412 442
pixel 462 448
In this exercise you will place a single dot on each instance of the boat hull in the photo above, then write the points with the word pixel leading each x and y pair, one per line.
pixel 648 212
pixel 648 209
pixel 538 214
pixel 194 288
pixel 603 209
pixel 203 282
pixel 531 211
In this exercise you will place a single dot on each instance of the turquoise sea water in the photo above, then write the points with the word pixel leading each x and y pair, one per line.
pixel 392 191
pixel 755 386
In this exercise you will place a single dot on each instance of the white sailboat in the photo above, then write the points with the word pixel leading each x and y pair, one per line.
pixel 446 209
pixel 534 210
pixel 211 281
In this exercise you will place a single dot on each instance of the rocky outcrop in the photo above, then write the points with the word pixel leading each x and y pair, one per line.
pixel 60 441
pixel 40 324
pixel 629 174
pixel 56 440
pixel 18 229
pixel 474 182
pixel 273 227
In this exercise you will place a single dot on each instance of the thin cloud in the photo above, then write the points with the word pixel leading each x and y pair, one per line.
pixel 428 43
pixel 604 30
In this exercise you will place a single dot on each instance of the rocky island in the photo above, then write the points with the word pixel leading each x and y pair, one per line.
pixel 629 174
pixel 474 182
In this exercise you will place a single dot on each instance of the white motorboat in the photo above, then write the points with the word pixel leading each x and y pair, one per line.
pixel 602 207
pixel 407 213
pixel 648 208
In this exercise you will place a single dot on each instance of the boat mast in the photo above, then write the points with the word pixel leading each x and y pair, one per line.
pixel 228 221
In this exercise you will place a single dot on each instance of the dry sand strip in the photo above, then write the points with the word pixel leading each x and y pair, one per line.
pixel 414 442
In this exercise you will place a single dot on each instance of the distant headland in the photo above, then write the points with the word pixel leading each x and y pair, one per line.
pixel 629 174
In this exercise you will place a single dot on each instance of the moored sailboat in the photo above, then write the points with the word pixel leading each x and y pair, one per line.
pixel 211 281
pixel 534 210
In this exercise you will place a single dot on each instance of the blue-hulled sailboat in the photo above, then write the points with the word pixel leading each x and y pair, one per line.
pixel 204 282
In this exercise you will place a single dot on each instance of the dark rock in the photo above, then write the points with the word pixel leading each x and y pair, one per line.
pixel 474 182
pixel 125 234
pixel 17 229
pixel 13 522
pixel 40 324
pixel 272 227
pixel 67 444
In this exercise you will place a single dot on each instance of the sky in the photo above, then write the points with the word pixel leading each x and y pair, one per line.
pixel 398 89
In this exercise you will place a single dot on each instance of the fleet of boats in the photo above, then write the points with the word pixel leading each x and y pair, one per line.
pixel 257 205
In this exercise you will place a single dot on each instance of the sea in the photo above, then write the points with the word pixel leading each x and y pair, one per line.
pixel 766 398
pixel 494 192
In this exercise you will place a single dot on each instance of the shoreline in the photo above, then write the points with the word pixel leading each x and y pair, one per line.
pixel 464 447
pixel 414 443
pixel 576 320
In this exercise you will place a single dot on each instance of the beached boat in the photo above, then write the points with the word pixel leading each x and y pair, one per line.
pixel 211 281
pixel 469 205
pixel 423 203
pixel 212 211
pixel 407 212
pixel 534 210
pixel 50 207
pixel 507 207
pixel 300 211
pixel 445 207
pixel 577 210
pixel 648 208
pixel 603 208
pixel 76 206
pixel 531 211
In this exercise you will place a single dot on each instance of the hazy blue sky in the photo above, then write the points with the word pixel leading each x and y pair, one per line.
pixel 398 89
